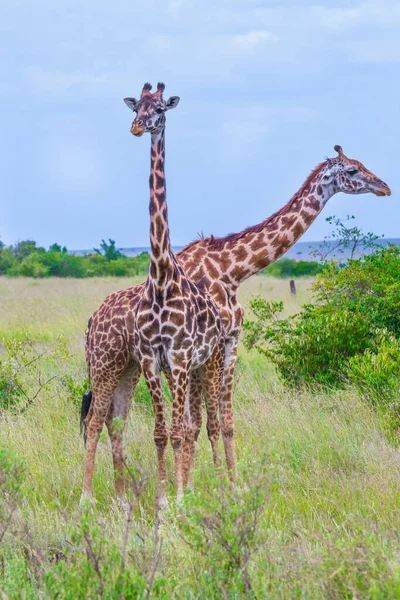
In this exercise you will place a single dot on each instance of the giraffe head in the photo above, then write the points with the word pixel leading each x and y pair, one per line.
pixel 150 110
pixel 343 174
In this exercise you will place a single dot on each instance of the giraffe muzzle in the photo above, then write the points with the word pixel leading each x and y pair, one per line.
pixel 382 189
pixel 137 130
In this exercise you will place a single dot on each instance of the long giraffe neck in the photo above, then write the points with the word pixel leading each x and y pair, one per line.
pixel 162 259
pixel 255 248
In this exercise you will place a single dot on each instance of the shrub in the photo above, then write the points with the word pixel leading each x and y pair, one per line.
pixel 376 373
pixel 61 264
pixel 91 567
pixel 310 347
pixel 224 526
pixel 32 266
pixel 350 305
pixel 369 286
pixel 26 370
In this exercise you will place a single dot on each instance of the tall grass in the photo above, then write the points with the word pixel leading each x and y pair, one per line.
pixel 314 468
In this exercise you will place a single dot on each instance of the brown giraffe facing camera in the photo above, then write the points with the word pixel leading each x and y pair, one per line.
pixel 219 265
pixel 175 326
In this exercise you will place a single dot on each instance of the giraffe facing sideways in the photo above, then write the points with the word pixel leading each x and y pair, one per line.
pixel 220 265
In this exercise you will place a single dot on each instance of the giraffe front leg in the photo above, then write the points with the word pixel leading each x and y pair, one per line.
pixel 180 378
pixel 119 408
pixel 192 418
pixel 226 407
pixel 153 380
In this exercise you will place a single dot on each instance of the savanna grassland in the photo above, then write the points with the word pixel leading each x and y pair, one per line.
pixel 314 512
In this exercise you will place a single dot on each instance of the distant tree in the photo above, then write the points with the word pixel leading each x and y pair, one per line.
pixel 7 260
pixel 109 250
pixel 57 248
pixel 2 246
pixel 26 259
pixel 23 249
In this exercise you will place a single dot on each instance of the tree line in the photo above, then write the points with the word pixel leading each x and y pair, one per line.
pixel 27 259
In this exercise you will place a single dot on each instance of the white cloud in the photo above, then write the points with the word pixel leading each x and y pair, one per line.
pixel 252 39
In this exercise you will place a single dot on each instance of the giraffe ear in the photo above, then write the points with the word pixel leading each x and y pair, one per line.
pixel 172 102
pixel 131 103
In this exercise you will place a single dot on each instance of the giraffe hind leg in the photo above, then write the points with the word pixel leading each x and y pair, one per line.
pixel 212 374
pixel 226 414
pixel 103 389
pixel 121 403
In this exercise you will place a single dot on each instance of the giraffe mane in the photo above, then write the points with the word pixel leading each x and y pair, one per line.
pixel 218 243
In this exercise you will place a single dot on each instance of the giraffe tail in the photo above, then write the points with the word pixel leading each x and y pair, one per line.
pixel 86 402
pixel 87 398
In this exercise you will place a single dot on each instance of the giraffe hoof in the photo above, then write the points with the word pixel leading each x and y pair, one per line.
pixel 122 503
pixel 87 501
pixel 162 502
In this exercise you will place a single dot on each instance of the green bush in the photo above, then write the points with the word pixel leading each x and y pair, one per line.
pixel 225 527
pixel 26 370
pixel 32 266
pixel 310 347
pixel 376 373
pixel 369 286
pixel 91 567
pixel 351 305
pixel 286 267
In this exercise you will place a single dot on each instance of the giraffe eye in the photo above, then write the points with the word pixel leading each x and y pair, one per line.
pixel 159 111
pixel 352 171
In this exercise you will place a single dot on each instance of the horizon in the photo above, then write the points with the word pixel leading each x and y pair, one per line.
pixel 262 102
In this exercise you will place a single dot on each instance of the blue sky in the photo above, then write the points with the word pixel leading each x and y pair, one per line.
pixel 267 88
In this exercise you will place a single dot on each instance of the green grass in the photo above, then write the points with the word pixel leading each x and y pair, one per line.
pixel 328 507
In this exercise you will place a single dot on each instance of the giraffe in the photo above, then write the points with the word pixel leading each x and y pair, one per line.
pixel 220 265
pixel 177 328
